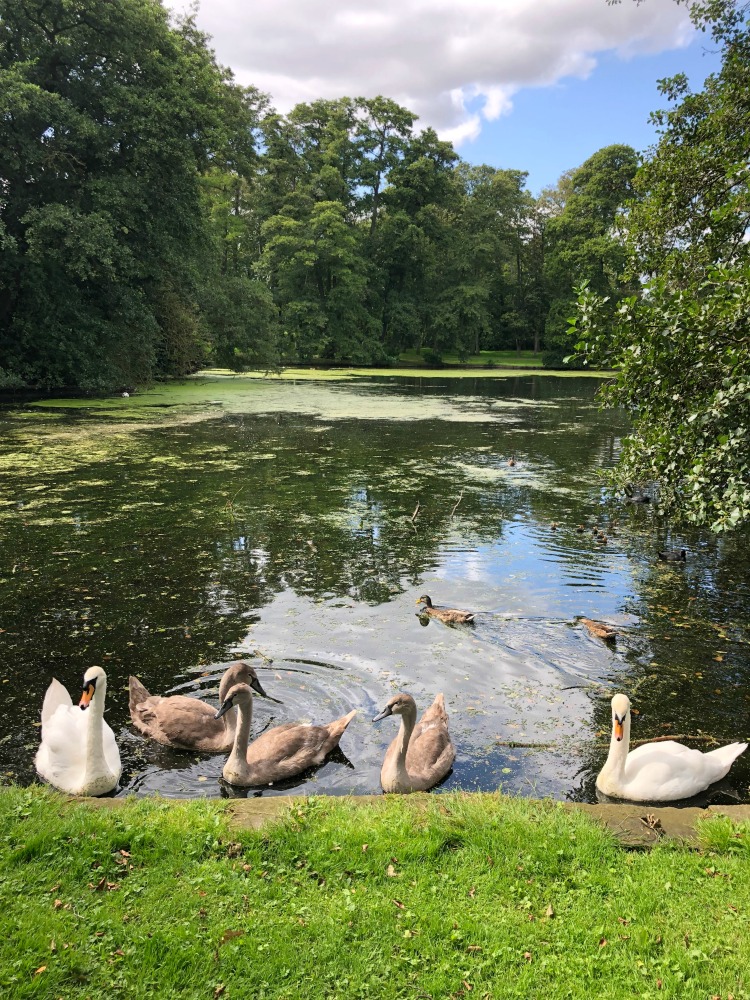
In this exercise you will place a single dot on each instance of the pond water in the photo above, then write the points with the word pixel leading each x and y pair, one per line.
pixel 167 534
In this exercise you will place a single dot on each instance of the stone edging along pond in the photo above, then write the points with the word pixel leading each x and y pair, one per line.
pixel 636 826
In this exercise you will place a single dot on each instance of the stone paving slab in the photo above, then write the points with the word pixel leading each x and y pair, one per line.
pixel 636 826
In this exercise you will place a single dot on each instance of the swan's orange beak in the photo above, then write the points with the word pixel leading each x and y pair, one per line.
pixel 618 730
pixel 88 694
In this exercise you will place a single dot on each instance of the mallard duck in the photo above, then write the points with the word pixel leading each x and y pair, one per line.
pixel 600 629
pixel 421 754
pixel 279 753
pixel 658 772
pixel 512 460
pixel 452 616
pixel 580 529
pixel 188 723
pixel 673 555
pixel 78 753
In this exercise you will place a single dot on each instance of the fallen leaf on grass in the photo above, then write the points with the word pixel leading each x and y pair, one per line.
pixel 103 885
pixel 472 892
pixel 623 920
pixel 219 990
pixel 41 968
pixel 364 847
pixel 603 942
pixel 57 904
pixel 467 986
pixel 398 903
pixel 52 945
pixel 550 911
pixel 391 872
pixel 228 935
pixel 474 947
pixel 658 984
pixel 527 955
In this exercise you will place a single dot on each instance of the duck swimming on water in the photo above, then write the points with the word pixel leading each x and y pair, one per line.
pixel 451 616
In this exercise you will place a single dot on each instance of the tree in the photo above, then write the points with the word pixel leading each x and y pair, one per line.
pixel 682 349
pixel 108 116
pixel 584 240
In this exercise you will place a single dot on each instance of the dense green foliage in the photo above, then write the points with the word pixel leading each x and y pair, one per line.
pixel 581 239
pixel 439 896
pixel 109 118
pixel 682 350
pixel 155 216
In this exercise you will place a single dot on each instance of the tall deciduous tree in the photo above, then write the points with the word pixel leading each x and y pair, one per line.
pixel 585 241
pixel 108 114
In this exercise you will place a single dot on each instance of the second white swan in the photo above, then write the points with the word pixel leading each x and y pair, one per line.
pixel 658 772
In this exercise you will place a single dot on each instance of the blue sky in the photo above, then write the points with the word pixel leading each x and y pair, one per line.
pixel 554 128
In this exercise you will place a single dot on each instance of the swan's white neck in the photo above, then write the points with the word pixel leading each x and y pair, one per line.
pixel 95 761
pixel 613 772
pixel 394 776
pixel 236 768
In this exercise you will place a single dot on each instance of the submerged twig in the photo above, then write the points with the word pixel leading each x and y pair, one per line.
pixel 455 505
pixel 416 511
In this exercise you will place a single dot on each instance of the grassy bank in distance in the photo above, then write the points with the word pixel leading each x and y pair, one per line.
pixel 445 896
pixel 493 359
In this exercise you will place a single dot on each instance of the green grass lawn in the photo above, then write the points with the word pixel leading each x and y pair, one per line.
pixel 471 896
pixel 500 359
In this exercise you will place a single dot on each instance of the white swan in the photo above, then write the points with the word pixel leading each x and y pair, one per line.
pixel 78 753
pixel 658 772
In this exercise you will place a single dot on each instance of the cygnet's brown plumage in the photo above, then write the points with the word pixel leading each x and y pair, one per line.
pixel 422 753
pixel 282 752
pixel 452 616
pixel 600 629
pixel 188 723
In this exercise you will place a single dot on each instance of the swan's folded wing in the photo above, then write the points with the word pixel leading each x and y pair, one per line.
pixel 184 720
pixel 61 758
pixel 430 751
pixel 289 748
pixel 665 771
pixel 54 697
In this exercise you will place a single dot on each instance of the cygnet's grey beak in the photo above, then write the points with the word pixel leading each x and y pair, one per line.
pixel 224 708
pixel 257 686
pixel 384 714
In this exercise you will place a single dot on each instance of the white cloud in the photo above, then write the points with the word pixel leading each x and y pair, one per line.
pixel 455 63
